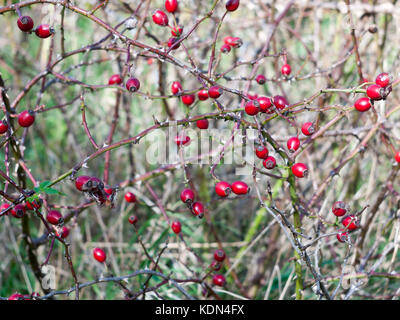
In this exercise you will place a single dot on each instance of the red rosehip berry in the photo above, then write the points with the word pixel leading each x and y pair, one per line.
pixel 133 219
pixel 265 105
pixel 252 107
pixel 44 31
pixel 108 190
pixel 202 95
pixel 81 181
pixel 54 217
pixel 25 23
pixel 132 85
pixel 350 222
pixel 223 189
pixel 280 102
pixel 236 42
pixel 18 211
pixel 99 255
pixel 374 92
pixel 176 87
pixel 176 227
pixel 64 232
pixel 293 144
pixel 182 140
pixel 286 69
pixel 202 124
pixel 382 80
pixel 188 99
pixel 342 235
pixel 3 127
pixel 363 104
pixel 198 209
pixel 262 152
pixel 171 5
pixel 397 156
pixel 239 187
pixel 171 43
pixel 215 92
pixel 187 196
pixel 252 96
pixel 269 163
pixel 308 128
pixel 16 296
pixel 229 41
pixel 160 18
pixel 115 79
pixel 339 208
pixel 215 265
pixel 219 255
pixel 219 280
pixel 225 48
pixel 3 207
pixel 300 170
pixel 177 31
pixel 261 79
pixel 26 118
pixel 130 197
pixel 232 5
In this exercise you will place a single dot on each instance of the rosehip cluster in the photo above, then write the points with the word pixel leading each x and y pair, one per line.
pixel 223 188
pixel 349 222
pixel 196 208
pixel 229 43
pixel 25 24
pixel 219 257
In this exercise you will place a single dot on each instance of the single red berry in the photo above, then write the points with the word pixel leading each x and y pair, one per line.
pixel 261 79
pixel 252 107
pixel 239 187
pixel 3 127
pixel 215 265
pixel 350 222
pixel 44 31
pixel 300 170
pixel 81 181
pixel 4 206
pixel 176 227
pixel 160 18
pixel 18 211
pixel 308 128
pixel 219 255
pixel 339 208
pixel 223 189
pixel 280 102
pixel 130 197
pixel 54 217
pixel 269 163
pixel 382 80
pixel 397 156
pixel 236 42
pixel 182 140
pixel 16 296
pixel 176 87
pixel 202 94
pixel 198 209
pixel 262 152
pixel 225 48
pixel 219 280
pixel 265 105
pixel 133 219
pixel 115 79
pixel 363 104
pixel 64 232
pixel 171 5
pixel 374 92
pixel 177 31
pixel 187 196
pixel 25 23
pixel 342 235
pixel 188 99
pixel 26 118
pixel 171 43
pixel 99 255
pixel 202 124
pixel 34 204
pixel 232 5
pixel 229 41
pixel 132 84
pixel 215 92
pixel 293 144
pixel 286 69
